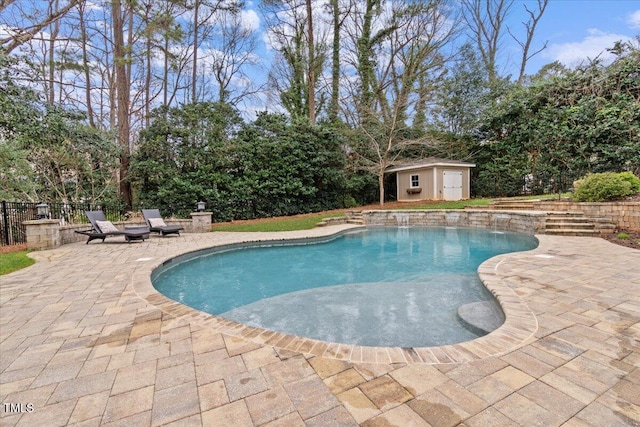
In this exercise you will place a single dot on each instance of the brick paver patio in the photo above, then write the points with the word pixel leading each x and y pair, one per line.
pixel 84 340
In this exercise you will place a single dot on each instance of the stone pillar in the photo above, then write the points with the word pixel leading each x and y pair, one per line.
pixel 201 222
pixel 42 233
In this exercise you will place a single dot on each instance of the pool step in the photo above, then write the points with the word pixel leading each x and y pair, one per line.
pixel 481 316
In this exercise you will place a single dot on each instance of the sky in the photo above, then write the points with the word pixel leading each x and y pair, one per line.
pixel 574 29
pixel 579 29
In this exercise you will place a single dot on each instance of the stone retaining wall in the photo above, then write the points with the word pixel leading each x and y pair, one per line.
pixel 521 222
pixel 625 215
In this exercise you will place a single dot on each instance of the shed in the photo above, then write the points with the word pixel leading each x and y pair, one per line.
pixel 432 179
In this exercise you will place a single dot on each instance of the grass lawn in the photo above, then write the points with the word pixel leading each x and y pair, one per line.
pixel 459 204
pixel 13 261
pixel 298 222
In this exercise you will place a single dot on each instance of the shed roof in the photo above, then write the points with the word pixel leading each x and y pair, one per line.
pixel 428 162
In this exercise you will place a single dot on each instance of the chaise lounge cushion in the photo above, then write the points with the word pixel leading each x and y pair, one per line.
pixel 107 227
pixel 156 222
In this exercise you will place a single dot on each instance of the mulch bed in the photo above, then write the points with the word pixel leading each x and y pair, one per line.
pixel 13 248
pixel 633 241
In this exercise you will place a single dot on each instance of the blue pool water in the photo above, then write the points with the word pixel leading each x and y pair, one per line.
pixel 379 286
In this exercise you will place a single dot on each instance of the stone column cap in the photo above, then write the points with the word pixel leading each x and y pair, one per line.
pixel 41 221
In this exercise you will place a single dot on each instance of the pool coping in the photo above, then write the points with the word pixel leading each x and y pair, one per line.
pixel 518 329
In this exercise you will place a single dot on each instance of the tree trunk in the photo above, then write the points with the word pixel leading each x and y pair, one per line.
pixel 147 77
pixel 381 185
pixel 165 74
pixel 85 65
pixel 194 71
pixel 53 8
pixel 122 98
pixel 312 71
pixel 335 65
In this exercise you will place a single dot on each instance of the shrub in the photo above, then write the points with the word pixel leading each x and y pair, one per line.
pixel 600 187
pixel 633 180
pixel 623 236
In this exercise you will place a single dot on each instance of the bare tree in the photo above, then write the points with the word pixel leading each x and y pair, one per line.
pixel 25 31
pixel 301 55
pixel 485 20
pixel 530 27
pixel 234 50
pixel 203 12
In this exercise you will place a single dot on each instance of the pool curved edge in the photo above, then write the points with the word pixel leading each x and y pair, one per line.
pixel 518 329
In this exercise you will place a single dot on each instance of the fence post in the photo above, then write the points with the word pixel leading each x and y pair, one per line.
pixel 5 218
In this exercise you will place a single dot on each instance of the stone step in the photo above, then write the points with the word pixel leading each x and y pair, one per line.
pixel 355 221
pixel 349 218
pixel 605 227
pixel 570 226
pixel 511 202
pixel 577 221
pixel 514 207
pixel 572 232
pixel 564 214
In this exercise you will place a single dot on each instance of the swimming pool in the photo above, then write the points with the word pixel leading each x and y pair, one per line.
pixel 375 287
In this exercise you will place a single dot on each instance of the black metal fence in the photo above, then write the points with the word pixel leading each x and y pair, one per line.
pixel 13 214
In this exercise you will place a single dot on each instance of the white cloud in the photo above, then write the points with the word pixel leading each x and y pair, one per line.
pixel 250 19
pixel 634 20
pixel 592 46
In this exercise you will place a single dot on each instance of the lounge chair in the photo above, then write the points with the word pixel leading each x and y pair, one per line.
pixel 156 223
pixel 101 228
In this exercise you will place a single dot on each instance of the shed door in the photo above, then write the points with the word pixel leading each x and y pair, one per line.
pixel 452 185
